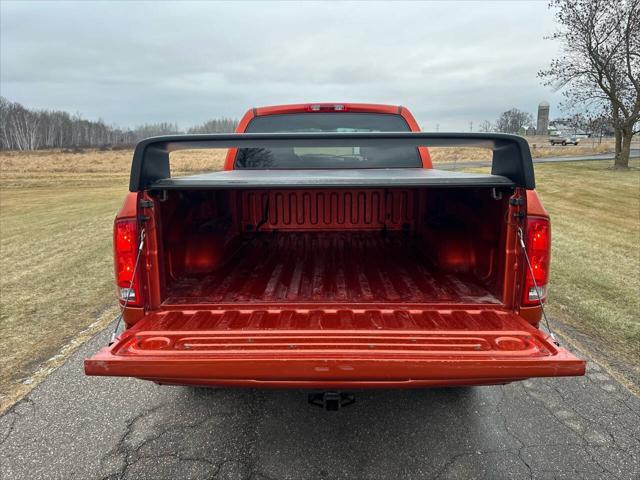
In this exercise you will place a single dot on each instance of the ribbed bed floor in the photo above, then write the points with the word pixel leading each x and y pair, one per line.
pixel 326 267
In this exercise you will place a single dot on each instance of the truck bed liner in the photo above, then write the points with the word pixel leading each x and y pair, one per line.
pixel 325 267
pixel 339 319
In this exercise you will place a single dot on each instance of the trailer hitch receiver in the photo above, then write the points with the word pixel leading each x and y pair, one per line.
pixel 331 401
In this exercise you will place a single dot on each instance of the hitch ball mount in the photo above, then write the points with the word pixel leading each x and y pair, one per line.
pixel 331 401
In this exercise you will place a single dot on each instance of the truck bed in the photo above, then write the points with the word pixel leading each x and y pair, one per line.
pixel 328 267
pixel 330 279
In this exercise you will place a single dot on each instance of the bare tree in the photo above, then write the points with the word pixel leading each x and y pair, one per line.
pixel 512 121
pixel 486 126
pixel 19 126
pixel 25 129
pixel 577 121
pixel 218 125
pixel 599 67
pixel 598 124
pixel 155 129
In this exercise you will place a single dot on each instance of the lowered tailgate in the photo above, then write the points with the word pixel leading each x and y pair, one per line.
pixel 333 347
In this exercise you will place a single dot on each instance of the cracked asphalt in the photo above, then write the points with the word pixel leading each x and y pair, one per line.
pixel 77 427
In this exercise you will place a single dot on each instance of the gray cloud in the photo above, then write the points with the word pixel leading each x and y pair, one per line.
pixel 130 63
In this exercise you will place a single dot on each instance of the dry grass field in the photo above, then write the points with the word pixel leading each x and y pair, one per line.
pixel 595 265
pixel 56 290
pixel 42 168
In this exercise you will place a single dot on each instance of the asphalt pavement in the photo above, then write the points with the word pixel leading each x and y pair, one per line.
pixel 77 427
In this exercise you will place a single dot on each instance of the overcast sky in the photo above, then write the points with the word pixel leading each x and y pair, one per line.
pixel 130 63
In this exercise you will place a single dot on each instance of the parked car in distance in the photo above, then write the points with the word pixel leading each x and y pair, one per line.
pixel 564 140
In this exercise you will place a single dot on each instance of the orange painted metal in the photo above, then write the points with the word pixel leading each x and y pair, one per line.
pixel 129 207
pixel 534 205
pixel 322 347
pixel 533 315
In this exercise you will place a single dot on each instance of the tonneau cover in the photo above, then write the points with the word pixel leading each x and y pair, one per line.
pixel 381 177
pixel 511 158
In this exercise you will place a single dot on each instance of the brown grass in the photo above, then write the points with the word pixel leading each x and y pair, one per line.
pixel 44 168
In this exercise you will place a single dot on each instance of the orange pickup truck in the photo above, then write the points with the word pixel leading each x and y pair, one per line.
pixel 329 255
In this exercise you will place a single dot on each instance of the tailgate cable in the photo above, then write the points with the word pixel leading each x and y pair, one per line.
pixel 126 301
pixel 535 285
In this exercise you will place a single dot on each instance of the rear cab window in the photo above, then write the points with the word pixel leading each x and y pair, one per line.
pixel 327 157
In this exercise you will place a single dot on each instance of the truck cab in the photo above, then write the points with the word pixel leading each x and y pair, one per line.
pixel 328 117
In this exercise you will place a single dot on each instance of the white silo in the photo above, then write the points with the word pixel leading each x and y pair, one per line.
pixel 543 119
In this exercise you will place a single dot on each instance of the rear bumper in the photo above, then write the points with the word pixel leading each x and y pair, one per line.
pixel 335 359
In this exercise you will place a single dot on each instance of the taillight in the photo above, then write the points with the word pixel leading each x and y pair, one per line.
pixel 125 249
pixel 538 242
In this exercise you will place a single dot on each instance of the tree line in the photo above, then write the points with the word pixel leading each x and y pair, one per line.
pixel 511 121
pixel 22 128
pixel 516 121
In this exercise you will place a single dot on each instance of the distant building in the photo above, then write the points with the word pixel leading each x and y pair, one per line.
pixel 543 119
pixel 527 131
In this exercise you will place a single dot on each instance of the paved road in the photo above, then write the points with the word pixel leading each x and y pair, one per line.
pixel 635 153
pixel 76 427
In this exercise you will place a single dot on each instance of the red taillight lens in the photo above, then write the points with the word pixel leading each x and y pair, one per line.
pixel 538 242
pixel 125 249
pixel 125 235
